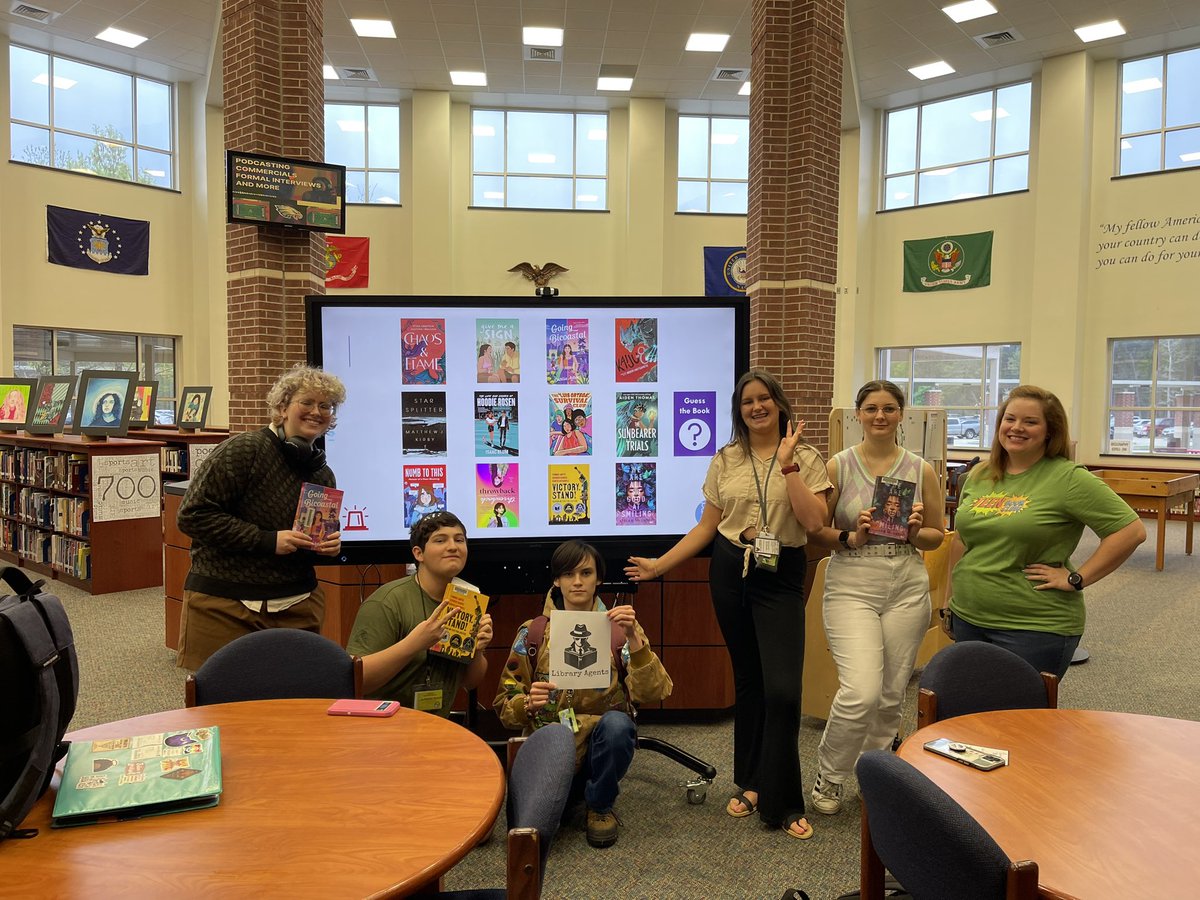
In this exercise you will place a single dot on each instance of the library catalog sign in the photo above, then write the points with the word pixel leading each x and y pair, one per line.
pixel 125 487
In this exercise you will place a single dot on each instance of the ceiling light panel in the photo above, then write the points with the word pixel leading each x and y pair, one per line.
pixel 469 79
pixel 932 70
pixel 700 42
pixel 972 9
pixel 124 38
pixel 373 28
pixel 542 37
pixel 1100 31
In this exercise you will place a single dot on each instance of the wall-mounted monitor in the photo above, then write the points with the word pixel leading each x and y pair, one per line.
pixel 533 422
pixel 295 193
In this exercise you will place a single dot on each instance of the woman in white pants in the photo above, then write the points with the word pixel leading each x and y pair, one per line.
pixel 876 604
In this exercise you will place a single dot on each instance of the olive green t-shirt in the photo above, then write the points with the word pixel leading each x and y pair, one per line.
pixel 389 614
pixel 1037 516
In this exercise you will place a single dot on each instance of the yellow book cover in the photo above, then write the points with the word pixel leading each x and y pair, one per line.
pixel 469 605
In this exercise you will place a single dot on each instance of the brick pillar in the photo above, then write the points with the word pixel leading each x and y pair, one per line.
pixel 274 104
pixel 791 226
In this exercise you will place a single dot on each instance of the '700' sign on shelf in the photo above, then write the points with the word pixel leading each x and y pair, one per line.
pixel 125 487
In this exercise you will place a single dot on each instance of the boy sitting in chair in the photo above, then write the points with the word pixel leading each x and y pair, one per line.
pixel 603 719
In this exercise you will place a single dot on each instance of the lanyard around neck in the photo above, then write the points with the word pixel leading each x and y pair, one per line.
pixel 762 486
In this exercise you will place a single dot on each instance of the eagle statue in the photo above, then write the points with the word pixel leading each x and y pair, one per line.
pixel 540 276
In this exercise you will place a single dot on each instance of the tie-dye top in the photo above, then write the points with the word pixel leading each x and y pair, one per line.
pixel 856 487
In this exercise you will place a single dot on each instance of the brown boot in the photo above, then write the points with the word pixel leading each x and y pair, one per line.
pixel 601 828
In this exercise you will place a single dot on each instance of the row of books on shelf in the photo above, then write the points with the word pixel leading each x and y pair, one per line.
pixel 45 468
pixel 70 514
pixel 173 460
pixel 64 553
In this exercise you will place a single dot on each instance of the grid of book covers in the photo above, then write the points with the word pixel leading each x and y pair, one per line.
pixel 537 421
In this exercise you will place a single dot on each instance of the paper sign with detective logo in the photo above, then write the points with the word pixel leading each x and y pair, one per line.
pixel 580 650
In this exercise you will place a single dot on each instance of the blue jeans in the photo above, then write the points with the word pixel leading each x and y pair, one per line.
pixel 610 751
pixel 1043 650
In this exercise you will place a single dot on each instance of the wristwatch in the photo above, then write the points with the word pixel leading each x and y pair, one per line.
pixel 1075 580
pixel 788 470
pixel 844 540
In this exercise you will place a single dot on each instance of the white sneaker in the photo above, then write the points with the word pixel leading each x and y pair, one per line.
pixel 827 796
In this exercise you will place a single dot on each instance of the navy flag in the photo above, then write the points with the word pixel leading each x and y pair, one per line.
pixel 724 271
pixel 93 241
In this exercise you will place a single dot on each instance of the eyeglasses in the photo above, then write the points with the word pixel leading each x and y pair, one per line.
pixel 886 410
pixel 326 408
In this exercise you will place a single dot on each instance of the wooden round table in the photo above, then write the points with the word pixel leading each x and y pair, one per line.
pixel 1105 803
pixel 313 806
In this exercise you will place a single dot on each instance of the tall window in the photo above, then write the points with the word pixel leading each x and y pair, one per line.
pixel 83 118
pixel 1160 113
pixel 955 149
pixel 1154 395
pixel 968 381
pixel 365 138
pixel 59 351
pixel 714 165
pixel 539 160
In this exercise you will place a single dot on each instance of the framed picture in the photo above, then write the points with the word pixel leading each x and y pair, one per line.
pixel 14 402
pixel 52 405
pixel 103 402
pixel 141 408
pixel 193 407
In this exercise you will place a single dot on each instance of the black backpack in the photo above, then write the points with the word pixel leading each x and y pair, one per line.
pixel 39 681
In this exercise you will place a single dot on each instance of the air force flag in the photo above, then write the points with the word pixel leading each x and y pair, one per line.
pixel 93 241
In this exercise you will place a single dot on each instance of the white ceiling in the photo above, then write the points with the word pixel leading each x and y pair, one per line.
pixel 885 38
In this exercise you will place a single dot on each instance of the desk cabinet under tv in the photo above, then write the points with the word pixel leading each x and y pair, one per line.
pixel 47 506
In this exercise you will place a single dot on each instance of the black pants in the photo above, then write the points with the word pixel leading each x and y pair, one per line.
pixel 762 619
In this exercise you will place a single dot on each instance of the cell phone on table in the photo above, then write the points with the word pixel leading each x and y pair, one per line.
pixel 375 708
pixel 964 754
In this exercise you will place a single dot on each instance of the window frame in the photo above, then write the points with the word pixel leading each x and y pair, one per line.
pixel 574 177
pixel 366 168
pixel 1186 417
pixel 918 170
pixel 144 367
pixel 708 181
pixel 1122 136
pixel 985 411
pixel 171 152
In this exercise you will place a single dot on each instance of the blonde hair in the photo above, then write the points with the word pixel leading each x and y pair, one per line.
pixel 304 379
pixel 1058 432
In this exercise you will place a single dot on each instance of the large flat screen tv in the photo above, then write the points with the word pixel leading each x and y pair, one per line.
pixel 295 193
pixel 534 422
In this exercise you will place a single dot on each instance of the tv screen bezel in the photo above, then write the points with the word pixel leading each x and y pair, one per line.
pixel 292 161
pixel 520 564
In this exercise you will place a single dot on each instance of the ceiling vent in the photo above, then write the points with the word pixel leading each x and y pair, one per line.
pixel 998 39
pixel 546 54
pixel 355 74
pixel 730 74
pixel 25 11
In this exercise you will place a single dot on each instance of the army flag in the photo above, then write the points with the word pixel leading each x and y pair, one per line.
pixel 347 261
pixel 93 241
pixel 955 263
pixel 724 271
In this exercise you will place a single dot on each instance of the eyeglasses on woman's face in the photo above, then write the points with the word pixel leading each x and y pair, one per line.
pixel 872 410
pixel 308 405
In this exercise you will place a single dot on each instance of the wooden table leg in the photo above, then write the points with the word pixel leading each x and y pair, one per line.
pixel 1162 534
pixel 1191 519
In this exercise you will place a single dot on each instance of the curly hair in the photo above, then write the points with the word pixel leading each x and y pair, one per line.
pixel 304 379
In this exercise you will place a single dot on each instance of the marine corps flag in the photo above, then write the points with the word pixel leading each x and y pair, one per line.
pixel 93 241
pixel 346 261
pixel 955 263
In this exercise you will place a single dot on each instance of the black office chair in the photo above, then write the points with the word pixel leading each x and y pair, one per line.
pixel 539 780
pixel 933 846
pixel 274 664
pixel 974 676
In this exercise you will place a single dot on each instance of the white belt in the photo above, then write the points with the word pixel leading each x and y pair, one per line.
pixel 880 550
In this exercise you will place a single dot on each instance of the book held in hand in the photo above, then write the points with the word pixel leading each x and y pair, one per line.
pixel 461 629
pixel 114 779
pixel 319 512
pixel 893 504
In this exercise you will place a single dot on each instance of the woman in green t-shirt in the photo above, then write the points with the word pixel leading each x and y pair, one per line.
pixel 1020 518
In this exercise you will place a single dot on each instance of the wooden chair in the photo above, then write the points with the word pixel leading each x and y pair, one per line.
pixel 274 664
pixel 933 846
pixel 974 676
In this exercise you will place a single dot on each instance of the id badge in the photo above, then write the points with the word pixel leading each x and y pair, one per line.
pixel 567 717
pixel 766 551
pixel 427 698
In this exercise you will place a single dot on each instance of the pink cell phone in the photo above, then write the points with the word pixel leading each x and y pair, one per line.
pixel 377 708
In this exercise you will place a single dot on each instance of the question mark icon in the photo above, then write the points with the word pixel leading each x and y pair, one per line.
pixel 695 428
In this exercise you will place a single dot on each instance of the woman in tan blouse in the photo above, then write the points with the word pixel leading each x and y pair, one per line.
pixel 763 491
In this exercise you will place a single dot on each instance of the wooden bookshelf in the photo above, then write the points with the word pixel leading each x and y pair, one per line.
pixel 82 511
pixel 183 449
